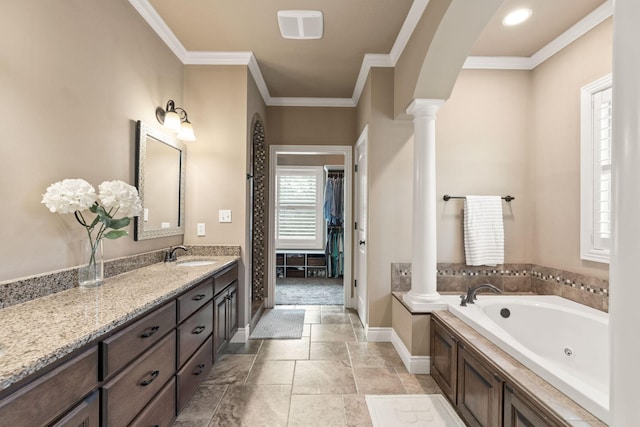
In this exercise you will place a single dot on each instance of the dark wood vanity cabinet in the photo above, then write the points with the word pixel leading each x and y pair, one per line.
pixel 140 374
pixel 195 352
pixel 54 394
pixel 225 309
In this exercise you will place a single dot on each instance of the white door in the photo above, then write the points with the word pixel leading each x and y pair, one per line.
pixel 361 227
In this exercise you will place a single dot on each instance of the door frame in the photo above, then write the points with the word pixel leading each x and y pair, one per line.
pixel 363 142
pixel 347 152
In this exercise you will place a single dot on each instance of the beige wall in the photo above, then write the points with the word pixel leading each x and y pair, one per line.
pixel 483 136
pixel 217 161
pixel 311 126
pixel 390 160
pixel 75 77
pixel 555 158
pixel 309 160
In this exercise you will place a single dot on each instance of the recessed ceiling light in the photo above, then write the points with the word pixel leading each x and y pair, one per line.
pixel 300 24
pixel 516 17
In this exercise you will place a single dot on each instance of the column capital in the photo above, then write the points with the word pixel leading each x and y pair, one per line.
pixel 425 107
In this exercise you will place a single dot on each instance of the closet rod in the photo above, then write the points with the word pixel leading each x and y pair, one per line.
pixel 447 197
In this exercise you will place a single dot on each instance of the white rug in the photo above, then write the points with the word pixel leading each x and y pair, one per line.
pixel 279 323
pixel 431 410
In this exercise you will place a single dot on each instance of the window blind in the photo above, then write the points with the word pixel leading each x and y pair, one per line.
pixel 298 208
pixel 602 169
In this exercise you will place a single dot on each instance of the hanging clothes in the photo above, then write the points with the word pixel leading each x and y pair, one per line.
pixel 333 200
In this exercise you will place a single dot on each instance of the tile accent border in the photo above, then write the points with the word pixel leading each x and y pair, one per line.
pixel 24 289
pixel 526 278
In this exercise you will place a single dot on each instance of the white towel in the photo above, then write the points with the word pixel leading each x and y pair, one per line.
pixel 483 230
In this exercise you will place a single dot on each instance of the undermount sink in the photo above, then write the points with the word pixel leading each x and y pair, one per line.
pixel 196 263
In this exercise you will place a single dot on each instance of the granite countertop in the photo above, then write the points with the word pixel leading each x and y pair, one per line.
pixel 41 331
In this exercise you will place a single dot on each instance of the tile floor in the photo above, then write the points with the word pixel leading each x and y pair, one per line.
pixel 319 380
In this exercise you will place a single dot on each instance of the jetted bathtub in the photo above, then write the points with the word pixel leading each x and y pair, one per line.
pixel 564 342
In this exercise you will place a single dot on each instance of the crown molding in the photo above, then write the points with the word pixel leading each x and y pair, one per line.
pixel 583 26
pixel 149 14
pixel 311 102
pixel 497 63
pixel 158 25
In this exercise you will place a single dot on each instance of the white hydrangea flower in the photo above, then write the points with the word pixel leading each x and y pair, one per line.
pixel 120 195
pixel 69 195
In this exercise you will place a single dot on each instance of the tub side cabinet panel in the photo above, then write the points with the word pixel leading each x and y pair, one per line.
pixel 478 389
pixel 444 357
pixel 479 395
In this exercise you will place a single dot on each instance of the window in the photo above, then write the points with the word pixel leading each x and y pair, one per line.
pixel 299 207
pixel 595 186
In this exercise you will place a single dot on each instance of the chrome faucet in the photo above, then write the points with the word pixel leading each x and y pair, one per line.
pixel 170 254
pixel 471 293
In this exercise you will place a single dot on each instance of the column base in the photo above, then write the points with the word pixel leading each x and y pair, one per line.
pixel 425 303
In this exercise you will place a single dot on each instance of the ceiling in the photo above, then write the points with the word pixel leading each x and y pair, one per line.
pixel 331 67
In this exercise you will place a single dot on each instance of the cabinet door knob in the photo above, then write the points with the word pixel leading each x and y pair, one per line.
pixel 361 242
pixel 152 377
pixel 198 330
pixel 198 297
pixel 151 331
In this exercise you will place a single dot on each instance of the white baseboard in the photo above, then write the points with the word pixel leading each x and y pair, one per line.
pixel 377 334
pixel 242 335
pixel 414 364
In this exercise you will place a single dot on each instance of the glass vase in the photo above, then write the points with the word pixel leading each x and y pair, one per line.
pixel 91 270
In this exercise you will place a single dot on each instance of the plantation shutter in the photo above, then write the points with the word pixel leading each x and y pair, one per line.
pixel 602 169
pixel 298 208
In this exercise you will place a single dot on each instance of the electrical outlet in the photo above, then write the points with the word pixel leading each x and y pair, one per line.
pixel 200 231
pixel 224 215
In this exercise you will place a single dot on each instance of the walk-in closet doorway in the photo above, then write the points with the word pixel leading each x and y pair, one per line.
pixel 307 262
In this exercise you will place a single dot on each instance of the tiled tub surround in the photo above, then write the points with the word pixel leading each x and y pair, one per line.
pixel 17 291
pixel 44 330
pixel 531 278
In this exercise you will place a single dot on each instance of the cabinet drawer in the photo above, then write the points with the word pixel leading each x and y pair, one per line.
pixel 86 414
pixel 194 299
pixel 126 345
pixel 129 391
pixel 222 280
pixel 194 372
pixel 54 393
pixel 161 411
pixel 194 331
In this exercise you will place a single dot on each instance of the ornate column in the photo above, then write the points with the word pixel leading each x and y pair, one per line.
pixel 423 293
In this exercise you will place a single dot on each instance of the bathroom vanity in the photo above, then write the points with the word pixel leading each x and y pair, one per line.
pixel 131 352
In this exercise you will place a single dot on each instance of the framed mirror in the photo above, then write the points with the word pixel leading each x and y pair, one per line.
pixel 160 178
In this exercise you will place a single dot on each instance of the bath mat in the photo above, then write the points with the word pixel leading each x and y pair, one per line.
pixel 431 410
pixel 279 323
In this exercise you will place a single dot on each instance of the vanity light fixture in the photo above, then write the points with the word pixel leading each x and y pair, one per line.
pixel 516 17
pixel 175 120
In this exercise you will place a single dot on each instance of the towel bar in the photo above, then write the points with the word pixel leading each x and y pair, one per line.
pixel 447 197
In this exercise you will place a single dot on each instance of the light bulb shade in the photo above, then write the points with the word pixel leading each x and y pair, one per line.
pixel 172 121
pixel 186 132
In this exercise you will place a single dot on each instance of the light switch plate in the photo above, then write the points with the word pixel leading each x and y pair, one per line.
pixel 224 215
pixel 200 229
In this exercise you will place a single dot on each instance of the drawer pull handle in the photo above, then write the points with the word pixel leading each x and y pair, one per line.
pixel 198 297
pixel 198 330
pixel 152 331
pixel 200 369
pixel 153 376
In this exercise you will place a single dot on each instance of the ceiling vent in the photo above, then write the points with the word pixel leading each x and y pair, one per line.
pixel 300 24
